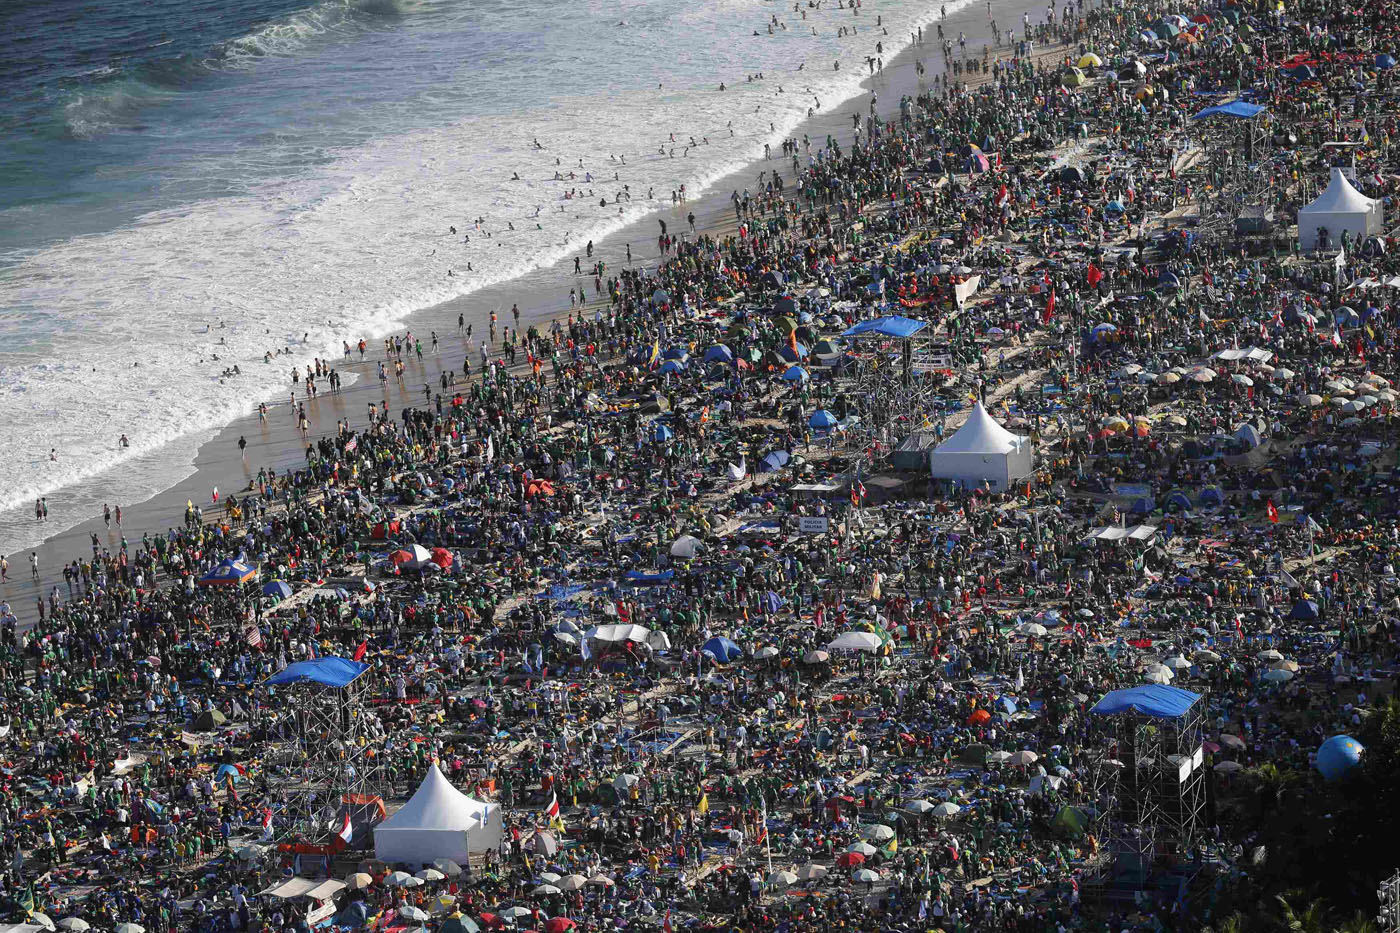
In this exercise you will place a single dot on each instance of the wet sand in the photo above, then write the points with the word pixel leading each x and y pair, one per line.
pixel 542 296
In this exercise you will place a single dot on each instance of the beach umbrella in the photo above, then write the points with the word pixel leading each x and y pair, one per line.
pixel 1311 401
pixel 1278 676
pixel 850 859
pixel 516 913
pixel 865 876
pixel 816 656
pixel 763 654
pixel 357 880
pixel 1204 374
pixel 459 924
pixel 1206 656
pixel 1158 674
pixel 624 782
pixel 1031 628
pixel 877 831
pixel 416 914
pixel 919 806
pixel 1228 767
pixel 1177 663
pixel 812 872
pixel 572 882
pixel 41 918
pixel 601 881
pixel 1269 654
pixel 782 879
pixel 559 925
pixel 401 879
pixel 546 889
pixel 863 849
pixel 1241 379
pixel 1024 758
pixel 1168 378
pixel 947 809
pixel 74 925
pixel 429 874
pixel 130 928
pixel 278 588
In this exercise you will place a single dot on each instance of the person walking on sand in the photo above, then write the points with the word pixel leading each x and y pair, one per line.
pixel 34 565
pixel 215 496
pixel 4 569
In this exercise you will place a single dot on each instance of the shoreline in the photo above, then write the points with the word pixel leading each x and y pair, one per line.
pixel 541 293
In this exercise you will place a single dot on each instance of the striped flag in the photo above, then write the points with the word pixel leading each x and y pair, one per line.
pixel 552 810
pixel 252 636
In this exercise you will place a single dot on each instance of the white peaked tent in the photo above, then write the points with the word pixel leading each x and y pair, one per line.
pixel 438 822
pixel 1339 208
pixel 982 451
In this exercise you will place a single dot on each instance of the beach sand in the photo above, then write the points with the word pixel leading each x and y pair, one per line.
pixel 542 296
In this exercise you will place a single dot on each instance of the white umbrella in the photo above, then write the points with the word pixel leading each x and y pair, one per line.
pixel 1278 677
pixel 877 831
pixel 515 913
pixel 998 757
pixel 623 782
pixel 864 848
pixel 1031 628
pixel 1229 766
pixel 601 880
pixel 572 882
pixel 448 867
pixel 812 872
pixel 1241 379
pixel 686 546
pixel 130 928
pixel 547 889
pixel 947 809
pixel 400 879
pixel 1177 663
pixel 1231 741
pixel 762 654
pixel 865 875
pixel 1283 372
pixel 1024 758
pixel 429 874
pixel 1207 656
pixel 816 656
pixel 358 880
pixel 74 924
pixel 413 913
pixel 1269 654
pixel 41 918
pixel 782 879
pixel 919 806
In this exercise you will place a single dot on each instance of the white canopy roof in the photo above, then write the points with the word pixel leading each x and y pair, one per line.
pixel 319 889
pixel 438 805
pixel 980 434
pixel 1339 198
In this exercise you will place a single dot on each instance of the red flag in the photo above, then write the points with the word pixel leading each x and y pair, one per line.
pixel 360 651
pixel 1049 310
pixel 666 924
pixel 345 832
pixel 552 810
pixel 1273 512
pixel 1094 275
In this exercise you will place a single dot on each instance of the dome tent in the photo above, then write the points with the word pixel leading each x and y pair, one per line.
pixel 438 822
pixel 982 451
pixel 1340 208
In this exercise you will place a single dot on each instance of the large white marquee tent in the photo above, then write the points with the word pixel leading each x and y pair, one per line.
pixel 1339 208
pixel 438 822
pixel 982 452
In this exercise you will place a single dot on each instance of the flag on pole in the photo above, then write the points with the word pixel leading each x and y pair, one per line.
pixel 1094 275
pixel 1049 314
pixel 666 924
pixel 360 651
pixel 252 636
pixel 345 832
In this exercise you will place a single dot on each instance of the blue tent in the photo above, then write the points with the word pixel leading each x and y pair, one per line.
pixel 775 461
pixel 1178 499
pixel 277 588
pixel 1384 60
pixel 1303 73
pixel 891 326
pixel 1304 609
pixel 228 771
pixel 772 602
pixel 228 572
pixel 785 306
pixel 1338 755
pixel 329 672
pixel 1156 700
pixel 1168 280
pixel 1236 108
pixel 1212 495
pixel 719 354
pixel 822 420
pixel 1114 207
pixel 1143 505
pixel 795 374
pixel 676 353
pixel 662 433
pixel 671 367
pixel 793 355
pixel 721 650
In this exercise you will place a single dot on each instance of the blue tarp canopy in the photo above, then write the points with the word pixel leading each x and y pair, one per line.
pixel 639 578
pixel 1157 700
pixel 891 326
pixel 330 672
pixel 1236 108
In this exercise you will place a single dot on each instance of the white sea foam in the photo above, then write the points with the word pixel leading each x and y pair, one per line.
pixel 134 317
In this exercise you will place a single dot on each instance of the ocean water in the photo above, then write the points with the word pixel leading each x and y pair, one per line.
pixel 186 185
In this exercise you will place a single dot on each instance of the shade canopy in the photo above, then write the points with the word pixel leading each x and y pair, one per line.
pixel 1156 700
pixel 329 672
